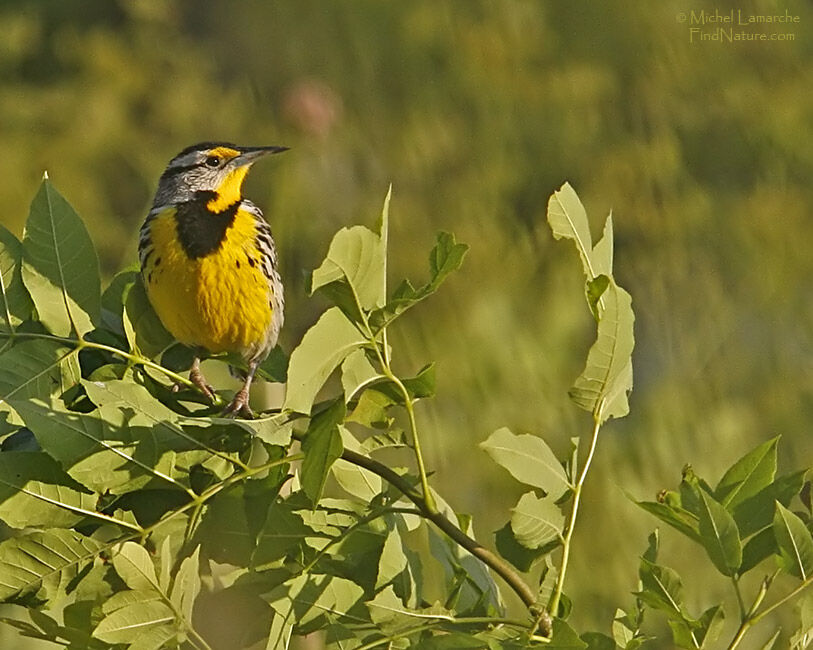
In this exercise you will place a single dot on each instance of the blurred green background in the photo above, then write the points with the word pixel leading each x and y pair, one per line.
pixel 475 112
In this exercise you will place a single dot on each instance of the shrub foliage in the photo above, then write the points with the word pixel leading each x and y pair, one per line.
pixel 137 513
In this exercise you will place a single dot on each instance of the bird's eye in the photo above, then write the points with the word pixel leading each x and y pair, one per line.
pixel 213 161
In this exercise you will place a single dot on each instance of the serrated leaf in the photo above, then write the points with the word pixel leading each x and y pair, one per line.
pixel 60 267
pixel 357 372
pixel 536 522
pixel 134 565
pixel 111 449
pixel 113 299
pixel 356 255
pixel 15 303
pixel 371 409
pixel 750 474
pixel 186 586
pixel 355 480
pixel 661 588
pixel 322 446
pixel 602 256
pixel 393 559
pixel 46 559
pixel 37 368
pixel 144 331
pixel 564 637
pixel 390 614
pixel 568 219
pixel 795 543
pixel 35 491
pixel 607 376
pixel 154 638
pixel 719 534
pixel 508 547
pixel 323 348
pixel 476 589
pixel 314 596
pixel 128 623
pixel 529 459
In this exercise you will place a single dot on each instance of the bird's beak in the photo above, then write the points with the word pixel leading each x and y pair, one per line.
pixel 250 154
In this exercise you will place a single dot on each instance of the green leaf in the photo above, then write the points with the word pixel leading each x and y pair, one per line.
pixel 445 258
pixel 37 368
pixel 536 522
pixel 355 480
pixel 35 491
pixel 15 303
pixel 770 643
pixel 719 534
pixel 757 548
pixel 463 572
pixel 323 348
pixel 607 376
pixel 322 446
pixel 750 474
pixel 661 588
pixel 134 565
pixel 186 587
pixel 357 372
pixel 795 543
pixel 47 560
pixel 756 512
pixel 390 614
pixel 313 596
pixel 60 266
pixel 113 299
pixel 371 409
pixel 568 219
pixel 598 641
pixel 144 330
pixel 602 257
pixel 680 519
pixel 132 614
pixel 529 459
pixel 109 450
pixel 356 256
pixel 564 637
pixel 393 560
pixel 156 637
pixel 521 557
pixel 802 635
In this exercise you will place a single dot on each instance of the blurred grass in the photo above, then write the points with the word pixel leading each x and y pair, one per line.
pixel 476 112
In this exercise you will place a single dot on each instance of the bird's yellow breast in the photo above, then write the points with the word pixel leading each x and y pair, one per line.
pixel 220 301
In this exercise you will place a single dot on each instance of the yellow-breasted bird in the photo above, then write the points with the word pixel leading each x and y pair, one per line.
pixel 209 261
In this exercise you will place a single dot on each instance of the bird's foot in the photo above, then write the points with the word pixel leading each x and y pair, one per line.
pixel 199 381
pixel 239 406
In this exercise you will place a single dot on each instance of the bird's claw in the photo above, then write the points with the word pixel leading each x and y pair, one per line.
pixel 199 381
pixel 239 407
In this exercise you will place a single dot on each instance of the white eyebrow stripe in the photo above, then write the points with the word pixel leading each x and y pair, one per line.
pixel 187 159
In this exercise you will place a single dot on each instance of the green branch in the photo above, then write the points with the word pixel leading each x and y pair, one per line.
pixel 753 617
pixel 553 606
pixel 490 559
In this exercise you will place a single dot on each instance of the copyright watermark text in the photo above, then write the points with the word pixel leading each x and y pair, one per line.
pixel 736 25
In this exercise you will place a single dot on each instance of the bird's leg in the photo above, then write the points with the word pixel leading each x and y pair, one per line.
pixel 239 405
pixel 197 378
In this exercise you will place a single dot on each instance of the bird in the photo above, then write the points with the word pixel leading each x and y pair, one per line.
pixel 209 262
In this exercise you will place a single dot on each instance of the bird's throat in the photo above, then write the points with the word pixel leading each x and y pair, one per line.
pixel 229 191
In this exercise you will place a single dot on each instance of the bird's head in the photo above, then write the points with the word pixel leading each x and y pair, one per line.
pixel 216 168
